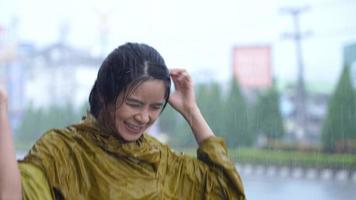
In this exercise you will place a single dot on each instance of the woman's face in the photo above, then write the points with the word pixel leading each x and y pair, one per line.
pixel 140 109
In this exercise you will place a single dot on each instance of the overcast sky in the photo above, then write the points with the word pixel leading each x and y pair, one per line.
pixel 196 34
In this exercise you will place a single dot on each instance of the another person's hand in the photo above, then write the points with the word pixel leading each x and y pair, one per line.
pixel 183 98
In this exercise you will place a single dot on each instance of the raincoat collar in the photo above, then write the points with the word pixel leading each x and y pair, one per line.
pixel 145 149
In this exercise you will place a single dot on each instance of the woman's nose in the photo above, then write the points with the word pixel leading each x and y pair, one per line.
pixel 142 117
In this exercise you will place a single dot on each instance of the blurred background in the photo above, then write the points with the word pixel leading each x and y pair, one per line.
pixel 275 78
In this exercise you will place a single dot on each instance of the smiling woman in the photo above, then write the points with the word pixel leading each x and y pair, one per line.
pixel 109 155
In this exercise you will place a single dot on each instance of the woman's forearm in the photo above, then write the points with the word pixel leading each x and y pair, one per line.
pixel 10 183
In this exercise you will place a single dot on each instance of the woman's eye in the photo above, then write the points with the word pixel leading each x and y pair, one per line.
pixel 133 105
pixel 157 107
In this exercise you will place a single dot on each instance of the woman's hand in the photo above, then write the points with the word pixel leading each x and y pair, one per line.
pixel 183 98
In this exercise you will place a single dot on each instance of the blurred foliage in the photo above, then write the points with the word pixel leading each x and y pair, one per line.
pixel 237 126
pixel 293 158
pixel 305 159
pixel 279 144
pixel 339 124
pixel 174 125
pixel 38 120
pixel 229 116
pixel 211 102
pixel 267 118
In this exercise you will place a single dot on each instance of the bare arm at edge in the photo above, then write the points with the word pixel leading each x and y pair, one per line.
pixel 10 182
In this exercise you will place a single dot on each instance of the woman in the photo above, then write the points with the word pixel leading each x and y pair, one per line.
pixel 109 155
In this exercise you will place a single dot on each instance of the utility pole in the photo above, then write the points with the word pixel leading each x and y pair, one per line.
pixel 297 36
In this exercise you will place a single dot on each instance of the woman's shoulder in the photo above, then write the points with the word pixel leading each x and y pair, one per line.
pixel 57 141
pixel 59 134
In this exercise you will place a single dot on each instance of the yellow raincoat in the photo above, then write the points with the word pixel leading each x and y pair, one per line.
pixel 81 162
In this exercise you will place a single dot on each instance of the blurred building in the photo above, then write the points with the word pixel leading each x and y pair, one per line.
pixel 56 74
pixel 61 74
pixel 316 106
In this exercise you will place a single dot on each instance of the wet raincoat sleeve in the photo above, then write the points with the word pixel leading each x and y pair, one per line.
pixel 34 183
pixel 214 152
pixel 212 176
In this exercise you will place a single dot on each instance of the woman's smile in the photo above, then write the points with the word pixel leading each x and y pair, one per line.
pixel 134 128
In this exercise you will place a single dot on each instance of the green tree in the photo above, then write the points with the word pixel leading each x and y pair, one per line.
pixel 32 125
pixel 267 118
pixel 237 130
pixel 168 121
pixel 339 124
pixel 173 124
pixel 211 103
pixel 183 136
pixel 37 120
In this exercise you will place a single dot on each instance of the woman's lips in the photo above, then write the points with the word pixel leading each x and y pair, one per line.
pixel 134 128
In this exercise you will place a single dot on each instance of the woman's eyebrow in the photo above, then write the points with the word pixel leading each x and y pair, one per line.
pixel 132 100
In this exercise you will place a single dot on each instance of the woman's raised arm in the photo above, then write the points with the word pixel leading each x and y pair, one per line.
pixel 10 183
pixel 183 100
pixel 212 150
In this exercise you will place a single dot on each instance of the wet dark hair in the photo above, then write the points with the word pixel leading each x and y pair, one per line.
pixel 126 67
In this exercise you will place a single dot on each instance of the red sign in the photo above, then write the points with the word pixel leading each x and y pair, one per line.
pixel 252 66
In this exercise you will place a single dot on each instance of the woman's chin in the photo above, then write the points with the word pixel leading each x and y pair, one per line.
pixel 130 137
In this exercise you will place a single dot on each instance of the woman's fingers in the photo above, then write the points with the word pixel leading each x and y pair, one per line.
pixel 179 73
pixel 180 77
